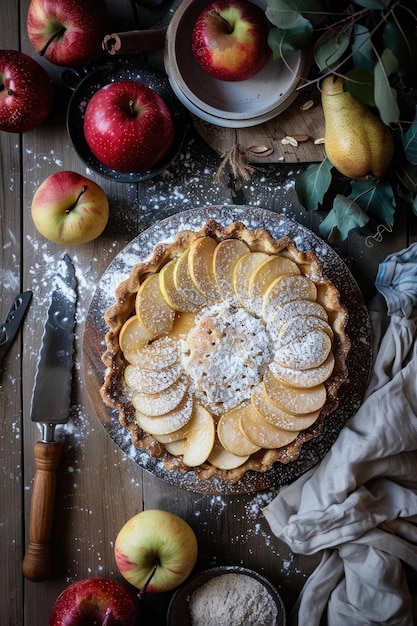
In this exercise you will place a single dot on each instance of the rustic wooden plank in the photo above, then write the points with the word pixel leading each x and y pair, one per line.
pixel 11 486
pixel 294 122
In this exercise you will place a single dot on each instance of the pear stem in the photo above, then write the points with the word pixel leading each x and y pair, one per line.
pixel 70 208
pixel 56 34
pixel 145 586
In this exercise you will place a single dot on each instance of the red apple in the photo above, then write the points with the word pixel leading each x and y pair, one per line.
pixel 70 208
pixel 26 93
pixel 158 548
pixel 99 601
pixel 68 32
pixel 230 39
pixel 128 127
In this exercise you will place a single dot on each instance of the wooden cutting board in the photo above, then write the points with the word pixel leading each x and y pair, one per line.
pixel 295 121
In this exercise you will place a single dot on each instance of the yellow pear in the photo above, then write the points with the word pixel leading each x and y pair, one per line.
pixel 357 142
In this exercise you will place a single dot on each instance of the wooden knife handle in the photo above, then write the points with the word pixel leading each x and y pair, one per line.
pixel 37 563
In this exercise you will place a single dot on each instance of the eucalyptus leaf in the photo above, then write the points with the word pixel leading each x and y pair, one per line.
pixel 312 184
pixel 410 142
pixel 360 85
pixel 395 39
pixel 385 95
pixel 409 178
pixel 330 47
pixel 284 41
pixel 379 5
pixel 376 199
pixel 362 53
pixel 285 13
pixel 345 216
pixel 281 14
pixel 316 11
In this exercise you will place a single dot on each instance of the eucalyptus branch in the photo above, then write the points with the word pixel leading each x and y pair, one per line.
pixel 336 71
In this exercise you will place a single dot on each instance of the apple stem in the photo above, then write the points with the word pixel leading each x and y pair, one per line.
pixel 228 26
pixel 56 34
pixel 134 109
pixel 107 617
pixel 145 586
pixel 83 190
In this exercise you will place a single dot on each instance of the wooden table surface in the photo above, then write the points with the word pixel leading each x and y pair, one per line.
pixel 98 486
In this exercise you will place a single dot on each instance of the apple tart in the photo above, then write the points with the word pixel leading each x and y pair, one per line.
pixel 226 351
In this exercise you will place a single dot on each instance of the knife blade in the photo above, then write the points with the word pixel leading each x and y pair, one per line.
pixel 12 321
pixel 50 406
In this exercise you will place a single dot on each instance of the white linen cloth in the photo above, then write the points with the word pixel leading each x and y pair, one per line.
pixel 359 504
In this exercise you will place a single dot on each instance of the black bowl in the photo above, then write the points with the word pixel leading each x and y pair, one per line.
pixel 178 612
pixel 121 69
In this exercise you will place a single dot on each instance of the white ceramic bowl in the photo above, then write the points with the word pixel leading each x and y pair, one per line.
pixel 230 104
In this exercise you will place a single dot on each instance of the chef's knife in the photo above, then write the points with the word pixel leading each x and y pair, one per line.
pixel 50 406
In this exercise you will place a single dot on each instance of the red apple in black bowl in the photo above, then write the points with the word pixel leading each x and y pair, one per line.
pixel 230 39
pixel 128 127
pixel 99 601
pixel 68 32
pixel 26 92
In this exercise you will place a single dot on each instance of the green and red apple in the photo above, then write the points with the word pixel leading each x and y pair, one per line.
pixel 68 32
pixel 156 550
pixel 230 39
pixel 26 92
pixel 128 126
pixel 69 208
pixel 99 601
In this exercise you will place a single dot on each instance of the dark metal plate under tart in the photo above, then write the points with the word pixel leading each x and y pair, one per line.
pixel 358 330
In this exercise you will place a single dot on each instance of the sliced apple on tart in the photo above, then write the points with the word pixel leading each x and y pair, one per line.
pixel 166 423
pixel 244 269
pixel 184 283
pixel 276 416
pixel 226 255
pixel 293 400
pixel 263 433
pixel 272 269
pixel 224 459
pixel 200 262
pixel 230 435
pixel 200 437
pixel 287 289
pixel 152 309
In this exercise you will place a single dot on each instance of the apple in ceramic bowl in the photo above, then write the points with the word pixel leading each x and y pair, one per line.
pixel 100 601
pixel 26 92
pixel 128 126
pixel 230 39
pixel 156 551
pixel 228 103
pixel 69 208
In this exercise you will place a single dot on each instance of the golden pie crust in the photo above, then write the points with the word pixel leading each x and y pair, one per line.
pixel 118 395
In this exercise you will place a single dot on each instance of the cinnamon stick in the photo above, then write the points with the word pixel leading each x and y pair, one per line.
pixel 134 41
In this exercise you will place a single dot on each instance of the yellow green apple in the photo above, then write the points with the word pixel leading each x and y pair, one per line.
pixel 69 208
pixel 156 549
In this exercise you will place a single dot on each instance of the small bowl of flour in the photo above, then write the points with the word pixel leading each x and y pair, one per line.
pixel 227 595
